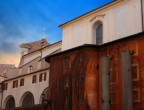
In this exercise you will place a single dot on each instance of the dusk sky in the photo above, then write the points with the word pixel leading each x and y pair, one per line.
pixel 23 21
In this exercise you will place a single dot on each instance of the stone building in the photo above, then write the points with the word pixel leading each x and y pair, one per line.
pixel 23 86
pixel 101 64
pixel 98 65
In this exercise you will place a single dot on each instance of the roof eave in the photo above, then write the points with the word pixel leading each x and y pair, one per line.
pixel 47 59
pixel 89 13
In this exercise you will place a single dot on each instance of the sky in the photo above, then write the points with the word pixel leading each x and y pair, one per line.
pixel 23 21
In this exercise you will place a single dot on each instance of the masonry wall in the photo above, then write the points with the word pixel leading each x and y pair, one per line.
pixel 76 84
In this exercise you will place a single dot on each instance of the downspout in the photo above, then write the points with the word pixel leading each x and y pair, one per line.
pixel 142 12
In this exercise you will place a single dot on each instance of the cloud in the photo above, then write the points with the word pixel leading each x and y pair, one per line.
pixel 8 47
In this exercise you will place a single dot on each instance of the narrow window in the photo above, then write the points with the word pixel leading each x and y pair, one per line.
pixel 34 78
pixel 99 33
pixel 40 77
pixel 15 84
pixel 5 86
pixel 22 82
pixel 45 75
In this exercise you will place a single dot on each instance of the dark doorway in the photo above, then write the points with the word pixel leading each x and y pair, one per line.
pixel 10 103
pixel 28 100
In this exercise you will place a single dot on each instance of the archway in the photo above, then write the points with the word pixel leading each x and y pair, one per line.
pixel 46 91
pixel 27 100
pixel 10 103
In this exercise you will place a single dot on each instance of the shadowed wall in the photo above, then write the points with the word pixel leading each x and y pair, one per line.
pixel 76 76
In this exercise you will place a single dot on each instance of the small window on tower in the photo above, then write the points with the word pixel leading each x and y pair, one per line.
pixel 30 69
pixel 42 45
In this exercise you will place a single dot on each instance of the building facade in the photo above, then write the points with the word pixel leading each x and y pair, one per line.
pixel 23 86
pixel 119 19
pixel 101 63
pixel 97 66
pixel 105 77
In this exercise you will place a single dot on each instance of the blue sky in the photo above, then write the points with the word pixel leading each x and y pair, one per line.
pixel 23 21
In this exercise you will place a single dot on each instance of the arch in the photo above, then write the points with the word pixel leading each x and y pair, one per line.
pixel 9 103
pixel 45 91
pixel 27 100
pixel 98 32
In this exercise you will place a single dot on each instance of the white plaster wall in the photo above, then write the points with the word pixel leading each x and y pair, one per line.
pixel 31 56
pixel 36 89
pixel 119 20
pixel 44 52
pixel 50 50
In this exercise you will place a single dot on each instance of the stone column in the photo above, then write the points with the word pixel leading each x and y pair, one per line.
pixel 127 91
pixel 105 83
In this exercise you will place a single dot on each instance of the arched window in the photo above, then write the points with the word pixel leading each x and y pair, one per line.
pixel 10 104
pixel 99 33
pixel 28 100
